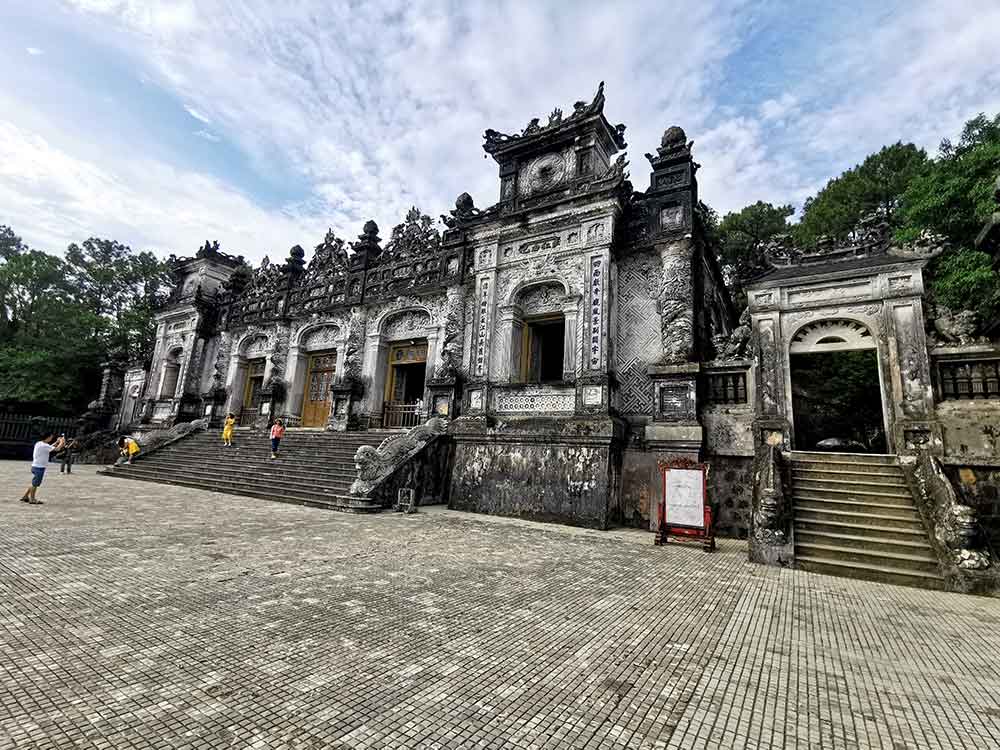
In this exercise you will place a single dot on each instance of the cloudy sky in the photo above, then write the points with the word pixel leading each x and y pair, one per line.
pixel 162 123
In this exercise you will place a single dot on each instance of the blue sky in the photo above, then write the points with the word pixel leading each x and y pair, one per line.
pixel 261 124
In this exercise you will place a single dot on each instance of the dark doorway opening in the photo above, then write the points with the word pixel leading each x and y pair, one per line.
pixel 545 343
pixel 410 382
pixel 837 402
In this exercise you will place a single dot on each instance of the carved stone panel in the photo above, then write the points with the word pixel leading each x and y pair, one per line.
pixel 536 400
pixel 481 345
pixel 319 339
pixel 541 299
pixel 594 349
pixel 406 325
pixel 767 355
pixel 637 335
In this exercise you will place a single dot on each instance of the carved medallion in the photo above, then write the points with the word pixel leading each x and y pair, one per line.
pixel 544 173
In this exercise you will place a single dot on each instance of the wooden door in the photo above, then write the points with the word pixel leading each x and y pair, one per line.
pixel 316 400
pixel 252 396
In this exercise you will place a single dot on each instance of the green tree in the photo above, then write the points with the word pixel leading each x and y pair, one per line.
pixel 742 237
pixel 954 196
pixel 121 289
pixel 48 355
pixel 874 186
pixel 60 319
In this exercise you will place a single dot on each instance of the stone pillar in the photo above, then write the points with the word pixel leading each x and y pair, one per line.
pixel 677 300
pixel 508 346
pixel 914 426
pixel 295 374
pixel 374 371
pixel 571 343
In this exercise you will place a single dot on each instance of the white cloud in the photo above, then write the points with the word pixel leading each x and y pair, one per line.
pixel 34 51
pixel 197 115
pixel 777 109
pixel 377 106
pixel 51 198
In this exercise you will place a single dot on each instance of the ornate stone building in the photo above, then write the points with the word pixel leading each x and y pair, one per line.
pixel 577 334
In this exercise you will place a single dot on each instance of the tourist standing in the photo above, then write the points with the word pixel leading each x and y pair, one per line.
pixel 39 462
pixel 66 465
pixel 227 429
pixel 277 432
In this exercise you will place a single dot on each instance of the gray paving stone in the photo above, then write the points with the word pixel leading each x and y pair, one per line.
pixel 142 616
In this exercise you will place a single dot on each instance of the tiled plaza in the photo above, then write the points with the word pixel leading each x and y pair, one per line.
pixel 134 615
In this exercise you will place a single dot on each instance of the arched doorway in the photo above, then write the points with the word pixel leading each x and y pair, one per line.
pixel 318 349
pixel 407 353
pixel 836 388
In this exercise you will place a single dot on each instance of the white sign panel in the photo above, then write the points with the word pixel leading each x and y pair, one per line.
pixel 684 491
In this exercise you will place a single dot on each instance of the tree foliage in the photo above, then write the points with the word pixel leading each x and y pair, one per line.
pixel 874 186
pixel 744 233
pixel 954 196
pixel 60 318
pixel 951 194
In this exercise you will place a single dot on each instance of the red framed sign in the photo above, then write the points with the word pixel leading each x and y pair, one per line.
pixel 684 513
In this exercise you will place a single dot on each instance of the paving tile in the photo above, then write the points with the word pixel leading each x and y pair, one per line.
pixel 135 615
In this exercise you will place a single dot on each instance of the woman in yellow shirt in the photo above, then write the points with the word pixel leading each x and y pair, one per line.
pixel 129 448
pixel 227 430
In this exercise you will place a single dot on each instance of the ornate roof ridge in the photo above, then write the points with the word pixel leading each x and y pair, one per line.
pixel 497 141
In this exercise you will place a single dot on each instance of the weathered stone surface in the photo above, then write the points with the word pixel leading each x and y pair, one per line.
pixel 538 468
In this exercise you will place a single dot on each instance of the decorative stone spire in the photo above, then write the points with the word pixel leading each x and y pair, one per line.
pixel 368 248
pixel 296 262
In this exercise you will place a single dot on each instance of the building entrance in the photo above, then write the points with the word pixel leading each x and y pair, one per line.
pixel 405 384
pixel 252 392
pixel 836 391
pixel 316 400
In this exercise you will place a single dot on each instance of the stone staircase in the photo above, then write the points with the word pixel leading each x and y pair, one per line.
pixel 855 517
pixel 313 467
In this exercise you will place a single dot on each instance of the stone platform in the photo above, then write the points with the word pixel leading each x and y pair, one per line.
pixel 136 615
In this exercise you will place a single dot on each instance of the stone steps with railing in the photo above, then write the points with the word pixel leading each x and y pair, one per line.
pixel 854 516
pixel 313 467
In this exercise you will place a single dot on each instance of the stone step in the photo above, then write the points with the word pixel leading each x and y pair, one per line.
pixel 860 506
pixel 877 573
pixel 870 544
pixel 866 459
pixel 256 452
pixel 278 481
pixel 919 562
pixel 854 518
pixel 851 480
pixel 266 463
pixel 875 532
pixel 815 490
pixel 333 502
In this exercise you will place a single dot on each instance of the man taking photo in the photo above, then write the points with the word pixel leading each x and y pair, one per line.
pixel 39 462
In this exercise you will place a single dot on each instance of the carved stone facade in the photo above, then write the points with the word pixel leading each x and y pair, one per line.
pixel 576 334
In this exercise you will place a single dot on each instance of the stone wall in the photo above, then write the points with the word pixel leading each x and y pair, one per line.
pixel 534 469
pixel 730 491
pixel 730 488
pixel 979 487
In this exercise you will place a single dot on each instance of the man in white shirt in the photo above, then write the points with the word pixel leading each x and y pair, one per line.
pixel 39 462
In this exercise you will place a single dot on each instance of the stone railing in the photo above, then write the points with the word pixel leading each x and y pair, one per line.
pixel 961 546
pixel 104 447
pixel 725 384
pixel 967 373
pixel 534 399
pixel 415 460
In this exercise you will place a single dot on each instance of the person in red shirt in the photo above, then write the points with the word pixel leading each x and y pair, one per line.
pixel 277 432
